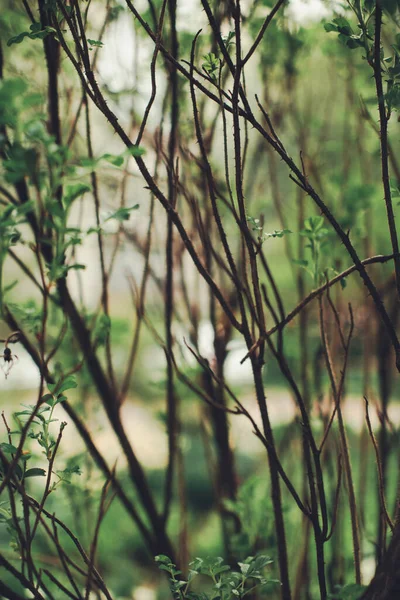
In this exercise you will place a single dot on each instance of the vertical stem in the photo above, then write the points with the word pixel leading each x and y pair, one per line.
pixel 257 360
pixel 100 241
pixel 275 484
pixel 383 118
pixel 337 393
pixel 169 290
pixel 303 578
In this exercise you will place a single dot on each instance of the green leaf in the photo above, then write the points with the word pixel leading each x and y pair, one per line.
pixel 19 471
pixel 278 233
pixel 17 39
pixel 393 97
pixel 211 63
pixel 74 191
pixel 352 42
pixel 88 162
pixel 369 5
pixel 116 160
pixel 36 32
pixel 35 472
pixel 8 448
pixel 352 591
pixel 20 162
pixel 96 43
pixel 47 399
pixel 66 473
pixel 262 561
pixel 136 151
pixel 163 558
pixel 330 27
pixel 390 6
pixel 301 262
pixel 102 330
pixel 60 399
pixel 228 39
pixel 67 384
pixel 123 213
pixel 61 386
pixel 343 26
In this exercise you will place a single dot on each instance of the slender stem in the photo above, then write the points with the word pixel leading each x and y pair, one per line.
pixel 171 396
pixel 384 118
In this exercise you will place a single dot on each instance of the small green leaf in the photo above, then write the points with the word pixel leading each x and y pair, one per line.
pixel 116 160
pixel 330 27
pixel 47 399
pixel 8 448
pixel 136 151
pixel 75 470
pixel 36 32
pixel 163 558
pixel 67 384
pixel 62 385
pixel 35 472
pixel 278 233
pixel 301 262
pixel 60 399
pixel 102 330
pixel 123 213
pixel 74 191
pixel 352 591
pixel 96 43
pixel 343 26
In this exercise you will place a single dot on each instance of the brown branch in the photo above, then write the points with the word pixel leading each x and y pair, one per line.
pixel 379 468
pixel 314 294
pixel 383 117
pixel 337 392
pixel 262 31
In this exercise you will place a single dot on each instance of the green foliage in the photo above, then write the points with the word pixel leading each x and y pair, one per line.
pixel 101 330
pixel 123 213
pixel 262 236
pixel 346 34
pixel 29 315
pixel 392 76
pixel 11 218
pixel 43 415
pixel 95 43
pixel 33 154
pixel 211 65
pixel 58 178
pixel 317 237
pixel 64 384
pixel 252 507
pixel 351 591
pixel 66 475
pixel 390 65
pixel 226 583
pixel 35 33
pixel 229 40
pixel 74 191
pixel 34 422
pixel 15 100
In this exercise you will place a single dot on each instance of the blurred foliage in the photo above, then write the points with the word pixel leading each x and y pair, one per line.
pixel 320 98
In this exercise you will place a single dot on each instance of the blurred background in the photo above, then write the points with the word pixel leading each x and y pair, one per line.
pixel 320 98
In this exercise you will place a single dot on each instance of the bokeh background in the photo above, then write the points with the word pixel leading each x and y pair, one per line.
pixel 321 99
